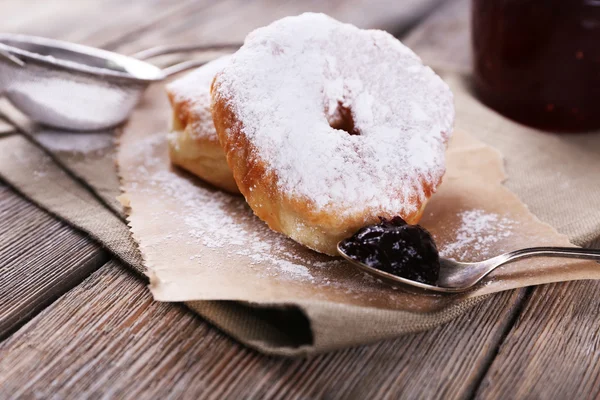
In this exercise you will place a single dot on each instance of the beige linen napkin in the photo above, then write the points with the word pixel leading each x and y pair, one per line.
pixel 284 329
pixel 202 244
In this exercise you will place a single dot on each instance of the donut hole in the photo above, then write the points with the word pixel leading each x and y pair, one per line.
pixel 342 119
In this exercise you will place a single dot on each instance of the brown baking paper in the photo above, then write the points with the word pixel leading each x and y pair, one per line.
pixel 201 244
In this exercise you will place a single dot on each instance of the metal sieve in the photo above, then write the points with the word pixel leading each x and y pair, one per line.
pixel 81 88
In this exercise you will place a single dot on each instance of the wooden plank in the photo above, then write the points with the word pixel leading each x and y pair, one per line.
pixel 232 20
pixel 5 127
pixel 91 22
pixel 108 337
pixel 108 23
pixel 40 259
pixel 553 351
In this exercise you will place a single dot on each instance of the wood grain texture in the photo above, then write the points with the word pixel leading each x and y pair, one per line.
pixel 5 127
pixel 108 337
pixel 231 20
pixel 553 351
pixel 111 338
pixel 93 22
pixel 40 259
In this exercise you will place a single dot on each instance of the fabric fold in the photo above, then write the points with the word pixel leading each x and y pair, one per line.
pixel 76 180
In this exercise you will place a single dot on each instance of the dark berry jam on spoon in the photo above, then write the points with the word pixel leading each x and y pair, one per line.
pixel 395 247
pixel 406 254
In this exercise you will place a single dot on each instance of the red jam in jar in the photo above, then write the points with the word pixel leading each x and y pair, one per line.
pixel 538 61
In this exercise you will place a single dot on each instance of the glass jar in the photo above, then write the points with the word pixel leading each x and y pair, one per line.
pixel 538 61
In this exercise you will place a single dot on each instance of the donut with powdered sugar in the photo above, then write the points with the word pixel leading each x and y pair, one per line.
pixel 193 141
pixel 327 127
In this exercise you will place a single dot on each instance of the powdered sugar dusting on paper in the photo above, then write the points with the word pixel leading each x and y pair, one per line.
pixel 402 110
pixel 295 269
pixel 477 233
pixel 216 221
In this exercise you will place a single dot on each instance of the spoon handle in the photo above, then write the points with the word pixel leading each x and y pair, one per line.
pixel 469 274
pixel 563 252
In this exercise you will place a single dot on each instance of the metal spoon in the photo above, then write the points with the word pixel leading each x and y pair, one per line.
pixel 458 276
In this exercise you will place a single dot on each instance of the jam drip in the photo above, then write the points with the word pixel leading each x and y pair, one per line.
pixel 398 248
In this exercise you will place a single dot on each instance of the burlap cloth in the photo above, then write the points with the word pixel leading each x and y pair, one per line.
pixel 73 176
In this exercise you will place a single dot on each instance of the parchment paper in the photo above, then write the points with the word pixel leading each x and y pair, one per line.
pixel 201 244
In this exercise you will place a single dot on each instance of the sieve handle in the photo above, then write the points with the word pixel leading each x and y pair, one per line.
pixel 185 65
pixel 182 66
pixel 6 54
pixel 171 49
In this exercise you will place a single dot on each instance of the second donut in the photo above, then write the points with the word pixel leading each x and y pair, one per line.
pixel 193 141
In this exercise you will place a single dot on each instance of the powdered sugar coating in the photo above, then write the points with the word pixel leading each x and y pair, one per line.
pixel 193 90
pixel 291 79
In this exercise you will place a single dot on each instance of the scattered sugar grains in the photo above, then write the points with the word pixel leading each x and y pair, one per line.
pixel 222 222
pixel 477 233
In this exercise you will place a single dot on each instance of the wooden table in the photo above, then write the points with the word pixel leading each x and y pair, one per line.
pixel 74 324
